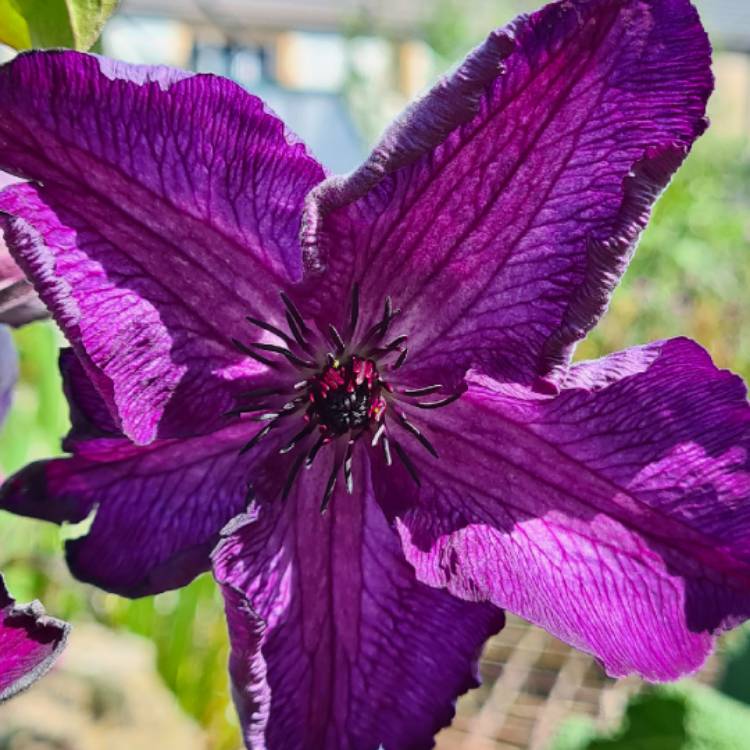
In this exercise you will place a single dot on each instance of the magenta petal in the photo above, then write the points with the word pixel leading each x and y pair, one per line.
pixel 158 509
pixel 30 642
pixel 165 208
pixel 334 643
pixel 615 514
pixel 501 209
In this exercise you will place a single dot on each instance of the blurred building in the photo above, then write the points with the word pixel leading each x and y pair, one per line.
pixel 310 59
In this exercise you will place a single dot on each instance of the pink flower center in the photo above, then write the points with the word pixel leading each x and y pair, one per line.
pixel 346 396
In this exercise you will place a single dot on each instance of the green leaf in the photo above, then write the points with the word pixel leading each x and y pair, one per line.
pixel 687 716
pixel 734 682
pixel 75 24
pixel 13 29
pixel 48 22
pixel 87 19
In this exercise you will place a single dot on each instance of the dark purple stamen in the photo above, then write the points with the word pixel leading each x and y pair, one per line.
pixel 303 433
pixel 314 451
pixel 379 330
pixel 354 317
pixel 298 337
pixel 401 359
pixel 426 391
pixel 293 358
pixel 296 315
pixel 292 476
pixel 416 432
pixel 407 462
pixel 270 328
pixel 247 351
pixel 256 439
pixel 331 484
pixel 336 339
pixel 438 404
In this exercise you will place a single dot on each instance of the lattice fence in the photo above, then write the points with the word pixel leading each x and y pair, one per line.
pixel 531 683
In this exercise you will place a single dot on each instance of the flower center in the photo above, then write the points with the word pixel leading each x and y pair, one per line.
pixel 346 396
pixel 342 395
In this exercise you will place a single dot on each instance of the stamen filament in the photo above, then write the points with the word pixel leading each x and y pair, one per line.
pixel 298 337
pixel 426 391
pixel 348 468
pixel 293 358
pixel 388 348
pixel 295 313
pixel 247 351
pixel 387 450
pixel 417 433
pixel 256 438
pixel 329 488
pixel 292 476
pixel 299 436
pixel 401 359
pixel 245 410
pixel 378 434
pixel 437 404
pixel 407 462
pixel 314 451
pixel 270 328
pixel 336 339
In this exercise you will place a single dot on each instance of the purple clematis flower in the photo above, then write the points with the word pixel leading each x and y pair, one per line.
pixel 30 641
pixel 412 379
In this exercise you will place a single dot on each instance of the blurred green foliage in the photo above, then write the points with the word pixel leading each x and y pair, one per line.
pixel 691 273
pixel 687 716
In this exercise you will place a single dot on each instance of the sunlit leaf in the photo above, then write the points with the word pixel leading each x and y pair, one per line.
pixel 53 23
pixel 48 22
pixel 87 19
pixel 13 29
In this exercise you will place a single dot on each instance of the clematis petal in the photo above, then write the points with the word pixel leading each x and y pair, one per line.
pixel 502 208
pixel 30 642
pixel 165 207
pixel 334 643
pixel 90 416
pixel 614 514
pixel 158 509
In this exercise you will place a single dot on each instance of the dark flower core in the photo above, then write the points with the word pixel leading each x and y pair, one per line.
pixel 346 396
pixel 340 394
